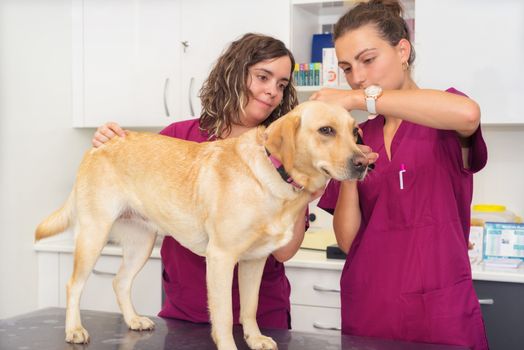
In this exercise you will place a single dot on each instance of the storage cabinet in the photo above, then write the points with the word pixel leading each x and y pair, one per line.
pixel 141 63
pixel 315 299
pixel 504 317
pixel 477 47
pixel 126 62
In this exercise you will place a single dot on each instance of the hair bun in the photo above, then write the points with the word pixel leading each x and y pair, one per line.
pixel 392 6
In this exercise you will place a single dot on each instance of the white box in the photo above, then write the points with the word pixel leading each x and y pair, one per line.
pixel 329 68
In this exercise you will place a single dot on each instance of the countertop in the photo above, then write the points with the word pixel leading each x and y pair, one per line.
pixel 305 258
pixel 44 330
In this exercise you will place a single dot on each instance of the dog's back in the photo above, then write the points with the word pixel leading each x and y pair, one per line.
pixel 123 174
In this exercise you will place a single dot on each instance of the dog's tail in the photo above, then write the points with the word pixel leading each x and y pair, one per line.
pixel 57 222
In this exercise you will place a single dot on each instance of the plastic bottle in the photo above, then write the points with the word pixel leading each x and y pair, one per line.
pixel 483 213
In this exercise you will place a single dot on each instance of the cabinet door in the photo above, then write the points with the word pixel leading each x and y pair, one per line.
pixel 503 314
pixel 477 47
pixel 208 28
pixel 125 62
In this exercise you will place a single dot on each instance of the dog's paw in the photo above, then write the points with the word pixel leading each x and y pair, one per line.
pixel 77 336
pixel 141 323
pixel 260 342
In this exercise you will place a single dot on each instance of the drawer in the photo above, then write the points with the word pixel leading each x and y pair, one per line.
pixel 502 306
pixel 315 287
pixel 315 319
pixel 98 294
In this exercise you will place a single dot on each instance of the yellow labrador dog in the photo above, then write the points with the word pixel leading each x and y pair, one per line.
pixel 225 200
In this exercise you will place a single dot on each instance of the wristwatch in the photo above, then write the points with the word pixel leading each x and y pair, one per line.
pixel 372 92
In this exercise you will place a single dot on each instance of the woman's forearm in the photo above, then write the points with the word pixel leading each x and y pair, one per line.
pixel 346 219
pixel 290 249
pixel 433 108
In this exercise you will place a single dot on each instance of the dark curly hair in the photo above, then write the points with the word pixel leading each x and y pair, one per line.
pixel 225 93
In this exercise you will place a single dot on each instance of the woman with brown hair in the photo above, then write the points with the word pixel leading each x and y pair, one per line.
pixel 250 85
pixel 405 227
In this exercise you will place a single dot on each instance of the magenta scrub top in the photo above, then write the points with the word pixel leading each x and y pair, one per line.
pixel 407 275
pixel 184 273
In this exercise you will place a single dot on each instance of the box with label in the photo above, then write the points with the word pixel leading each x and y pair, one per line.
pixel 503 240
pixel 329 68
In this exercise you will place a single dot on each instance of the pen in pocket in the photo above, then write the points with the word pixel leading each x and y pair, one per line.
pixel 401 175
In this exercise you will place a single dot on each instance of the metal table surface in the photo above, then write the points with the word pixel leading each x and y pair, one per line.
pixel 44 329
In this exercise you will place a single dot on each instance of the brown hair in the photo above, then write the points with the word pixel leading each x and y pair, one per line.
pixel 385 15
pixel 225 93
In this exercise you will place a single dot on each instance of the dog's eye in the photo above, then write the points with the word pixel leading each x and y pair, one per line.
pixel 327 131
pixel 355 132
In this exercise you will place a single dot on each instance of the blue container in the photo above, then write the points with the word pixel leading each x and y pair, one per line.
pixel 320 41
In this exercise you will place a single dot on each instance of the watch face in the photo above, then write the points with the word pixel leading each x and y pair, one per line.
pixel 373 90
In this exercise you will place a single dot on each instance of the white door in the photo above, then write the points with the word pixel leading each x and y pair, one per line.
pixel 126 62
pixel 208 28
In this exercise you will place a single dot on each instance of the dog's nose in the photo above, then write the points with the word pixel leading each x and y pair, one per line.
pixel 359 162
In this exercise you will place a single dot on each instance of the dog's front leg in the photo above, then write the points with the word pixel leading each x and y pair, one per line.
pixel 249 278
pixel 219 276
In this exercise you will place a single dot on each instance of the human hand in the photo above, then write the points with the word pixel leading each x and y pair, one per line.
pixel 106 132
pixel 343 98
pixel 366 150
pixel 369 154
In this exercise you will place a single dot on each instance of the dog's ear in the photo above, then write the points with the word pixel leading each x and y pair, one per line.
pixel 280 139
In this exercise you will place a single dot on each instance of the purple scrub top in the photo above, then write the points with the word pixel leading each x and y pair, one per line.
pixel 407 275
pixel 184 273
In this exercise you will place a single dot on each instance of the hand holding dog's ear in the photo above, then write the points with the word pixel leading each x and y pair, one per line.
pixel 106 132
pixel 368 153
pixel 335 96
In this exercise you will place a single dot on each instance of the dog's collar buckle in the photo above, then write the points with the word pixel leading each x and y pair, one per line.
pixel 283 174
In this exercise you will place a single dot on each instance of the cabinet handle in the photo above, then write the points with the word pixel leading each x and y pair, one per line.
pixel 318 325
pixel 185 44
pixel 191 109
pixel 103 273
pixel 166 106
pixel 325 289
pixel 486 301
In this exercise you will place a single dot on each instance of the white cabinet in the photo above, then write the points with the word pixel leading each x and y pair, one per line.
pixel 142 62
pixel 55 266
pixel 315 299
pixel 477 47
pixel 126 62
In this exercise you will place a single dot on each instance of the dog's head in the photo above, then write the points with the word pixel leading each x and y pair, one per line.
pixel 317 141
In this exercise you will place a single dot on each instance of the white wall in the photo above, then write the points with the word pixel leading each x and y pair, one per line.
pixel 502 180
pixel 39 150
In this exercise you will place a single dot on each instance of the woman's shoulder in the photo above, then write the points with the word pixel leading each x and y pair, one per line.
pixel 185 129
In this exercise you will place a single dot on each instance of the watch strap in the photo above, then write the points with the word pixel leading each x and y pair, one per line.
pixel 371 105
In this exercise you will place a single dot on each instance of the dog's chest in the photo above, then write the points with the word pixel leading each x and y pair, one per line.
pixel 276 234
